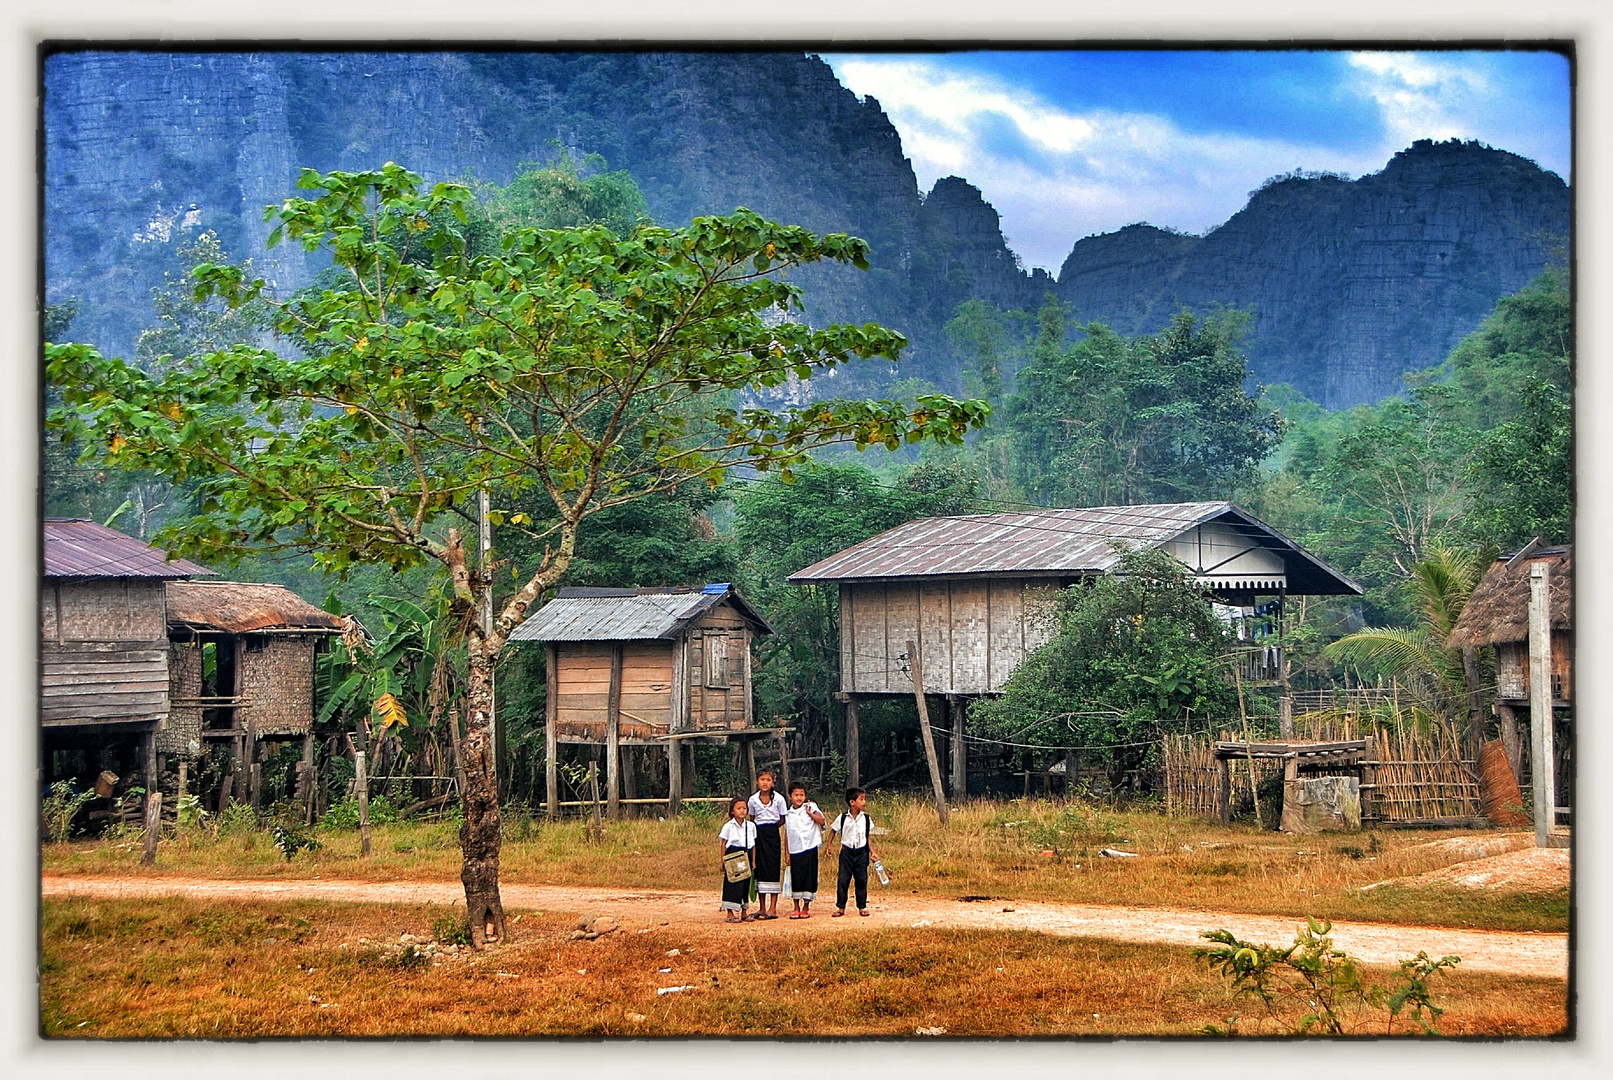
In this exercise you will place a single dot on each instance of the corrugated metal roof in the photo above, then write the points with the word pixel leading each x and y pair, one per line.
pixel 1054 542
pixel 75 548
pixel 589 614
pixel 240 607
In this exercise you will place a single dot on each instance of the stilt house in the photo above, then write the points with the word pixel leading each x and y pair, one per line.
pixel 1497 615
pixel 978 593
pixel 104 662
pixel 645 667
pixel 242 665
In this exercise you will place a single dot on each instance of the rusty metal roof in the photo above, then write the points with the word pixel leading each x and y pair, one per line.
pixel 75 548
pixel 242 607
pixel 588 614
pixel 1077 541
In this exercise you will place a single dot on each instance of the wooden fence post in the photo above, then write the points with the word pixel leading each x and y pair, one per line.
pixel 674 777
pixel 1542 764
pixel 1223 789
pixel 361 785
pixel 916 662
pixel 153 826
pixel 598 828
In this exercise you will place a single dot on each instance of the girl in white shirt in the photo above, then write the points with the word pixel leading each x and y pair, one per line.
pixel 738 834
pixel 767 809
pixel 802 831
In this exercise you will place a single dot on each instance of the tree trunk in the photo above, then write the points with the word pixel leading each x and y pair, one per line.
pixel 479 836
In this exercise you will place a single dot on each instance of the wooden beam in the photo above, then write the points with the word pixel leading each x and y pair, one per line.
pixel 1542 757
pixel 613 735
pixel 551 734
pixel 960 768
pixel 853 743
pixel 916 660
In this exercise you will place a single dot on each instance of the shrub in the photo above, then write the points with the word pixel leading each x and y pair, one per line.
pixel 451 928
pixel 1303 988
pixel 60 806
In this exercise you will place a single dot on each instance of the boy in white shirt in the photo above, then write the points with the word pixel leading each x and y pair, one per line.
pixel 855 830
pixel 802 823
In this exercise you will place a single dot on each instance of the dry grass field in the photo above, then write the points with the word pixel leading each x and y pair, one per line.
pixel 182 968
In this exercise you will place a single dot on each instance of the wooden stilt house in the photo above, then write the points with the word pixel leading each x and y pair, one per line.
pixel 645 667
pixel 104 662
pixel 1497 616
pixel 978 593
pixel 243 657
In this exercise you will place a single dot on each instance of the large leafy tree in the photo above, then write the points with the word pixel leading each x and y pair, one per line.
pixel 1112 420
pixel 571 371
pixel 1138 652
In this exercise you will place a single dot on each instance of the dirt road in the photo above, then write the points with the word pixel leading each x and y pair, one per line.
pixel 1536 954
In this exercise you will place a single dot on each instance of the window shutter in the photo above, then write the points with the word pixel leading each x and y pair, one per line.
pixel 716 659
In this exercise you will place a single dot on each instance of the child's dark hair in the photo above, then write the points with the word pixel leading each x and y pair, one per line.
pixel 766 772
pixel 735 802
pixel 852 793
pixel 796 785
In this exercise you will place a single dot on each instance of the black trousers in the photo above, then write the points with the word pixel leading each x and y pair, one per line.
pixel 853 867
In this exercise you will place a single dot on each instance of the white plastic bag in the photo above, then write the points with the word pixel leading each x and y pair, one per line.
pixel 786 892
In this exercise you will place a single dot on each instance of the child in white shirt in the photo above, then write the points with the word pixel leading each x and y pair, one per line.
pixel 802 824
pixel 737 834
pixel 855 830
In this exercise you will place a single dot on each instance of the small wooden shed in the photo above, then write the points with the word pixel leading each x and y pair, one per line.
pixel 978 593
pixel 242 663
pixel 645 667
pixel 104 663
pixel 1497 615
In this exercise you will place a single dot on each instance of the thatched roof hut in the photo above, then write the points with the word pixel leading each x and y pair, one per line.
pixel 1498 611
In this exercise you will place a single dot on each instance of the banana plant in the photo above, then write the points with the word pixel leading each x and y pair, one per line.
pixel 387 679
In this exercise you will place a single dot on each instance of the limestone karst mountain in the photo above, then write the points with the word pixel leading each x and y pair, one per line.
pixel 1351 282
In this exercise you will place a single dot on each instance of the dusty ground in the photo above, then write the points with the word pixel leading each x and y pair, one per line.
pixel 1528 869
pixel 1532 954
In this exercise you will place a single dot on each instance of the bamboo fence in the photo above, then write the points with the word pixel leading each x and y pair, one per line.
pixel 1418 771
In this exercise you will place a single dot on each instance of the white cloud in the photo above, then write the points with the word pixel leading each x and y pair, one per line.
pixel 1078 173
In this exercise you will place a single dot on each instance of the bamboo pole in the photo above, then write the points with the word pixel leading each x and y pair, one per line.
pixel 916 660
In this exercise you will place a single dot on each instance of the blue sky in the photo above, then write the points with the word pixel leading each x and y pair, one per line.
pixel 1066 144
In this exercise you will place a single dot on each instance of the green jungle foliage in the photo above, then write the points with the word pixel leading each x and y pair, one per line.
pixel 1138 653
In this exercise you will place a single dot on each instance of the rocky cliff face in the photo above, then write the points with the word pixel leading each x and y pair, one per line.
pixel 1351 283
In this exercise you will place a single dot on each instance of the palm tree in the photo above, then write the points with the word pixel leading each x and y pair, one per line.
pixel 1441 681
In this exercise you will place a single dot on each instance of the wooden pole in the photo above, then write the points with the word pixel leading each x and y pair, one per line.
pixel 750 761
pixel 853 744
pixel 598 829
pixel 179 796
pixel 148 857
pixel 1223 789
pixel 674 775
pixel 960 767
pixel 1542 757
pixel 1248 746
pixel 551 734
pixel 916 659
pixel 361 786
pixel 613 736
pixel 783 760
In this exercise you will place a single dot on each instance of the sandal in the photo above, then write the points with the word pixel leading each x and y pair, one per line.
pixel 795 915
pixel 838 912
pixel 863 912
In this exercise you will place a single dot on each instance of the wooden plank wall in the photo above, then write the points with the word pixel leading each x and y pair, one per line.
pixel 583 674
pixel 974 633
pixel 713 706
pixel 102 682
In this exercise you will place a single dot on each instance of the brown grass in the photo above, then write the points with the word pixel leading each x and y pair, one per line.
pixel 1040 849
pixel 180 968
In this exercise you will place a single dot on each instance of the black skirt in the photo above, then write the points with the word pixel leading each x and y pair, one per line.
pixel 804 874
pixel 735 894
pixel 768 849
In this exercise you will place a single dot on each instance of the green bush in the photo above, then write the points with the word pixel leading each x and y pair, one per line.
pixel 60 806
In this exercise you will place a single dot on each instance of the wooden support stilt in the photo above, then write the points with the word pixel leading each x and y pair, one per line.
pixel 916 660
pixel 674 772
pixel 960 768
pixel 1223 789
pixel 613 742
pixel 853 743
